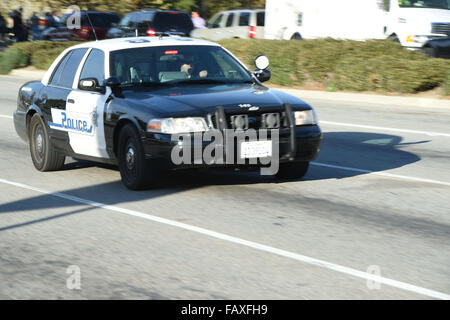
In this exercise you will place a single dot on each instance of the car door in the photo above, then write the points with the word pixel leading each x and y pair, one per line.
pixel 86 108
pixel 54 96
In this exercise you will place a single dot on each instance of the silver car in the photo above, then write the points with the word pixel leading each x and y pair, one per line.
pixel 237 23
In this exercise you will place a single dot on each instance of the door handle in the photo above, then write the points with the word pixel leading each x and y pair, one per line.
pixel 70 101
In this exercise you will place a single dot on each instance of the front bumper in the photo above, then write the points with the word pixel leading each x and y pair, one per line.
pixel 159 147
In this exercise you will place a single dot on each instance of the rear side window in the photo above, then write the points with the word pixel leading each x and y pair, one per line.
pixel 244 19
pixel 230 20
pixel 57 73
pixel 71 66
pixel 94 67
pixel 260 19
pixel 172 20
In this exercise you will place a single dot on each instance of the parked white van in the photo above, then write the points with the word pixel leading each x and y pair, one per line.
pixel 235 23
pixel 410 22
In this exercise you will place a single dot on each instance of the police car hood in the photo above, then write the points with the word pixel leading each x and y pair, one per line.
pixel 193 100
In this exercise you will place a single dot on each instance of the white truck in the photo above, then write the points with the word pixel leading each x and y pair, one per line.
pixel 410 22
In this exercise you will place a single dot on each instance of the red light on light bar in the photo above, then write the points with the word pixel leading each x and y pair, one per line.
pixel 171 52
pixel 151 33
pixel 171 12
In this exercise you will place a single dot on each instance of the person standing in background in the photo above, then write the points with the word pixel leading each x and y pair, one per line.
pixel 49 20
pixel 18 28
pixel 55 16
pixel 198 21
pixel 34 23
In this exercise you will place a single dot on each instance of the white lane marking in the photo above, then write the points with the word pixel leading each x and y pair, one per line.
pixel 5 116
pixel 429 133
pixel 383 174
pixel 243 242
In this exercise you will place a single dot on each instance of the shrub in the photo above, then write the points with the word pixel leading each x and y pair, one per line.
pixel 37 53
pixel 373 65
pixel 12 58
pixel 44 61
pixel 446 86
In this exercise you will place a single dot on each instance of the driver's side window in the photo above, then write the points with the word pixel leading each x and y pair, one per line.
pixel 94 67
pixel 217 22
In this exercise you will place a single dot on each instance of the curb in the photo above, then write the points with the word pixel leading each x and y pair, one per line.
pixel 29 74
pixel 371 99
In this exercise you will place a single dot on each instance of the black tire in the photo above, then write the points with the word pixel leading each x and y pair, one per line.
pixel 43 154
pixel 394 38
pixel 296 36
pixel 431 52
pixel 137 173
pixel 292 170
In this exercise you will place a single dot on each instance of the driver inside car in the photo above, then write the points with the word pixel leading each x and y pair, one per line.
pixel 191 67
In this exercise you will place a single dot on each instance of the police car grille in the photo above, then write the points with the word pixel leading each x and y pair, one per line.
pixel 262 120
pixel 440 28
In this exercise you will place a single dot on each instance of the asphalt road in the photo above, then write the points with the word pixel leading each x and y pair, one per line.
pixel 370 220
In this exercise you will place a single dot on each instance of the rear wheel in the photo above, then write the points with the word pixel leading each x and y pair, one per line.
pixel 296 36
pixel 394 38
pixel 292 170
pixel 137 173
pixel 43 154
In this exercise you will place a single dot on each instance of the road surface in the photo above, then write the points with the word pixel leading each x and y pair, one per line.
pixel 370 220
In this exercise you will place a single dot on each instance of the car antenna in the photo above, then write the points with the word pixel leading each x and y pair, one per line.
pixel 93 29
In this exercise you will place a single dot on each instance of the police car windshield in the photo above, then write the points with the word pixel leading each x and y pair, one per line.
pixel 166 65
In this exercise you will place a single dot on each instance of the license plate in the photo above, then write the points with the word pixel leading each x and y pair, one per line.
pixel 256 149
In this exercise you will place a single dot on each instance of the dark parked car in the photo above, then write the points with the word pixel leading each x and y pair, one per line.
pixel 438 48
pixel 149 22
pixel 101 22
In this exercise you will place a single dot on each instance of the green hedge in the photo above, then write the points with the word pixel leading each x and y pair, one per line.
pixel 446 86
pixel 39 54
pixel 374 65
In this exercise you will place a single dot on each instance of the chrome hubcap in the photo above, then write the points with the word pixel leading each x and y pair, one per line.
pixel 39 142
pixel 130 158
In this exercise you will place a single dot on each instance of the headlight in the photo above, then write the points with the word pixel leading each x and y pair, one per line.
pixel 177 125
pixel 305 117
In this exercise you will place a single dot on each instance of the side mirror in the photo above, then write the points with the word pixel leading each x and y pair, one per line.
pixel 262 75
pixel 90 84
pixel 262 62
pixel 114 84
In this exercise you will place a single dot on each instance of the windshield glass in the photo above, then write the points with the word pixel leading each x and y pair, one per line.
pixel 176 64
pixel 436 4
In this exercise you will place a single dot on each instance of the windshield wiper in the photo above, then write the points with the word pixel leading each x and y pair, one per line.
pixel 144 84
pixel 207 81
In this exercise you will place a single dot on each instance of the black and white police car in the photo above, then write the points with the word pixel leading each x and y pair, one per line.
pixel 121 101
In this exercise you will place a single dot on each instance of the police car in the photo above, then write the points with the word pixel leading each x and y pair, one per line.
pixel 122 101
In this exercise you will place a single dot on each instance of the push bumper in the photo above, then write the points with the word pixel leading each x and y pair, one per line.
pixel 304 146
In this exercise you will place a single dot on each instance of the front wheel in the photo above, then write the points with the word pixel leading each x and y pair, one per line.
pixel 292 170
pixel 137 173
pixel 43 154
